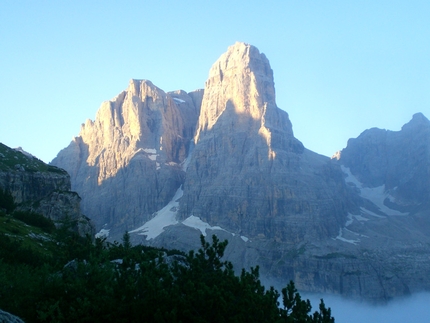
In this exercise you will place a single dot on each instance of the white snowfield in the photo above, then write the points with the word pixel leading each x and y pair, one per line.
pixel 152 153
pixel 167 216
pixel 195 222
pixel 177 100
pixel 163 218
pixel 150 150
pixel 376 195
pixel 103 233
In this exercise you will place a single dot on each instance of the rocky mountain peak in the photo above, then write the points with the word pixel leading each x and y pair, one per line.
pixel 245 149
pixel 141 117
pixel 240 95
pixel 419 121
pixel 395 160
pixel 132 151
pixel 348 225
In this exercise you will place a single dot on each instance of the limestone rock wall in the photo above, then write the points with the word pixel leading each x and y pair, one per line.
pixel 355 226
pixel 43 189
pixel 127 163
pixel 399 160
pixel 248 172
pixel 32 186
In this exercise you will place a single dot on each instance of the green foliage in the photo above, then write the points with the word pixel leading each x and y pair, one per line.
pixel 96 281
pixel 207 290
pixel 10 158
pixel 297 310
pixel 35 219
pixel 6 201
pixel 21 288
pixel 126 241
pixel 15 252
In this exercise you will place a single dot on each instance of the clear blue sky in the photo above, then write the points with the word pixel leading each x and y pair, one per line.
pixel 340 67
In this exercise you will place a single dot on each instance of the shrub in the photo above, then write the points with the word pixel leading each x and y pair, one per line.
pixel 35 219
pixel 6 201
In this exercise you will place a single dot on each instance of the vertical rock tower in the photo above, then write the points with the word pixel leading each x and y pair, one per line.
pixel 248 173
pixel 126 164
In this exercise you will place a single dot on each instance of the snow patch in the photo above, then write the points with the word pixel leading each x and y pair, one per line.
pixel 367 212
pixel 187 160
pixel 341 238
pixel 178 100
pixel 350 220
pixel 103 233
pixel 162 218
pixel 152 157
pixel 376 195
pixel 151 153
pixel 150 150
pixel 360 218
pixel 352 217
pixel 244 238
pixel 351 178
pixel 196 223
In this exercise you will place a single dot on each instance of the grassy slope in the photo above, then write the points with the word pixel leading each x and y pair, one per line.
pixel 9 158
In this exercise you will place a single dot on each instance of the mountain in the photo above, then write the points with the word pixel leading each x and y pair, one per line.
pixel 40 188
pixel 248 173
pixel 398 161
pixel 170 166
pixel 128 163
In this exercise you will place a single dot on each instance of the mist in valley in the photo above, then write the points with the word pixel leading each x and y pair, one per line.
pixel 414 308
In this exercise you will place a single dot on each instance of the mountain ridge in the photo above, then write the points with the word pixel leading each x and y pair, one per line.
pixel 225 160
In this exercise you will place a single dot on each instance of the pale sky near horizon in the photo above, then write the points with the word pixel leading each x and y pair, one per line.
pixel 340 67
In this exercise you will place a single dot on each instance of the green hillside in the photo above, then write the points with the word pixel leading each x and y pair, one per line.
pixel 54 275
pixel 11 159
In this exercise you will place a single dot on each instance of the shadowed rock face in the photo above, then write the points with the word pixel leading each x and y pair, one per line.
pixel 397 159
pixel 356 226
pixel 43 189
pixel 126 164
pixel 248 173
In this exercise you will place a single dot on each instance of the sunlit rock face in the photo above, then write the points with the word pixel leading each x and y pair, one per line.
pixel 248 172
pixel 171 166
pixel 126 164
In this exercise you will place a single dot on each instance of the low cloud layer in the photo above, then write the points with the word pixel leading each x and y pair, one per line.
pixel 415 308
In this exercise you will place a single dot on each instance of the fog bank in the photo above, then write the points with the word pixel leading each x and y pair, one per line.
pixel 415 308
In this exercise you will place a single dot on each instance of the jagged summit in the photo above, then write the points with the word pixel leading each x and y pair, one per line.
pixel 240 98
pixel 132 151
pixel 396 159
pixel 245 149
pixel 418 121
pixel 225 161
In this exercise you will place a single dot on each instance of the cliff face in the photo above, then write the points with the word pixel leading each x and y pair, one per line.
pixel 170 166
pixel 127 163
pixel 397 160
pixel 41 188
pixel 248 173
